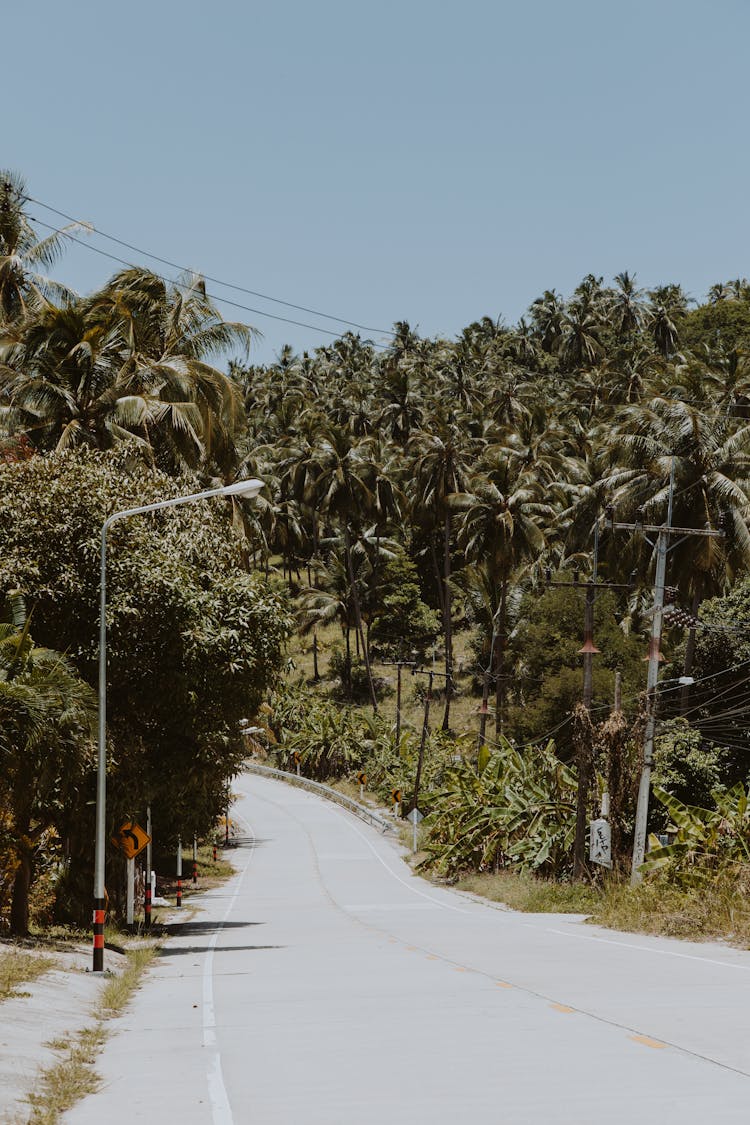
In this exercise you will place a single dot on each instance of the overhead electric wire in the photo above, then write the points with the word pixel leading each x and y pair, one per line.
pixel 212 280
pixel 182 285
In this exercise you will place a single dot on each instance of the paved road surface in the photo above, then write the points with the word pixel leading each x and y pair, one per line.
pixel 327 985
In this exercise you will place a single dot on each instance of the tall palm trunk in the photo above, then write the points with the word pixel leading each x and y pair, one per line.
pixel 500 648
pixel 348 669
pixel 447 626
pixel 358 618
pixel 438 579
pixel 19 907
pixel 687 667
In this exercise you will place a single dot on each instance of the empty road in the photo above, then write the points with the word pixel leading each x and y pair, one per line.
pixel 326 984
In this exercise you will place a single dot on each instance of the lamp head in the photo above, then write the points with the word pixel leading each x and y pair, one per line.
pixel 249 487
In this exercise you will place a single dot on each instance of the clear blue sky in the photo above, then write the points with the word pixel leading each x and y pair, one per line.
pixel 426 161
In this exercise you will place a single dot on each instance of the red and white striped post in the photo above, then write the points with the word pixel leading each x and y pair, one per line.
pixel 179 871
pixel 195 860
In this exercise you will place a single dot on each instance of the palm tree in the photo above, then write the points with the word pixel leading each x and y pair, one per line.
pixel 23 254
pixel 626 311
pixel 501 529
pixel 439 469
pixel 172 333
pixel 341 483
pixel 130 362
pixel 580 345
pixel 547 314
pixel 711 456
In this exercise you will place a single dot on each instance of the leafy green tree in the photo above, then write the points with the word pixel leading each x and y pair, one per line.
pixel 548 666
pixel 194 641
pixel 403 622
pixel 47 719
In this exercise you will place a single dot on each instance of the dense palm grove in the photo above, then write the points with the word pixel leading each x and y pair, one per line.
pixel 427 492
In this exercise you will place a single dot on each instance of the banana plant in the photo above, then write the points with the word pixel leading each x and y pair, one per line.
pixel 706 839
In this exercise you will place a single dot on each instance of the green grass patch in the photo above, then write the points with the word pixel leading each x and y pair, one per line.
pixel 18 967
pixel 531 895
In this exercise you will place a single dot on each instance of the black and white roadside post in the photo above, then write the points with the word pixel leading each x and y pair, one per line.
pixel 147 887
pixel 130 893
pixel 195 859
pixel 179 871
pixel 239 488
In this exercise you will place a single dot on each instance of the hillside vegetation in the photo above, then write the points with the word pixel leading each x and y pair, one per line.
pixel 437 503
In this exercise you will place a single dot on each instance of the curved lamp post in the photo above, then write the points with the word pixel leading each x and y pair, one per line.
pixel 239 488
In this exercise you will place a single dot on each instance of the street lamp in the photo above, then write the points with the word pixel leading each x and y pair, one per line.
pixel 239 488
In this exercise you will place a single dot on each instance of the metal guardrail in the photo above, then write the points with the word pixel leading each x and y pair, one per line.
pixel 323 791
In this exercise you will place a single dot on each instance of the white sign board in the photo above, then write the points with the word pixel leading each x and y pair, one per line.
pixel 415 816
pixel 600 850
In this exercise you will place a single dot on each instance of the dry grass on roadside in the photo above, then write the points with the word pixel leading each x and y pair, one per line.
pixel 69 1079
pixel 73 1075
pixel 715 910
pixel 18 967
pixel 718 909
pixel 531 895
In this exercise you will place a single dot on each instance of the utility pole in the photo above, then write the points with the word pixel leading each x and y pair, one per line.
pixel 484 710
pixel 431 674
pixel 664 533
pixel 423 740
pixel 588 651
pixel 398 665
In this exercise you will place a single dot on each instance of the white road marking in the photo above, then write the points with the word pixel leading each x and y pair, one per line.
pixel 379 858
pixel 650 949
pixel 389 906
pixel 221 1112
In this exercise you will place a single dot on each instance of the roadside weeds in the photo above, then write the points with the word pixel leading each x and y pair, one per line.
pixel 73 1076
pixel 18 967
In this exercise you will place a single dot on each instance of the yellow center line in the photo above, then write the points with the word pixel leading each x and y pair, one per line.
pixel 503 984
pixel 562 1008
pixel 647 1042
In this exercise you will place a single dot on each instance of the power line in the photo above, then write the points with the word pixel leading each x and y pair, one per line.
pixel 182 285
pixel 212 280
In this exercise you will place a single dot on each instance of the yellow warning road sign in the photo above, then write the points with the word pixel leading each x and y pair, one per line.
pixel 362 778
pixel 131 839
pixel 396 796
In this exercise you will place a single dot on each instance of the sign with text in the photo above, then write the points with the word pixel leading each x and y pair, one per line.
pixel 600 850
